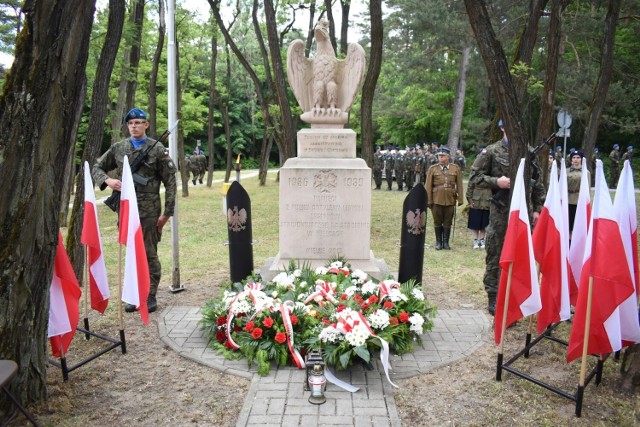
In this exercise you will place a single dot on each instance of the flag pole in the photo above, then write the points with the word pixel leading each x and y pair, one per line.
pixel 85 281
pixel 530 329
pixel 585 349
pixel 503 326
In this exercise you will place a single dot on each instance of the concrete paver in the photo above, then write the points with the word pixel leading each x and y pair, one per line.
pixel 279 399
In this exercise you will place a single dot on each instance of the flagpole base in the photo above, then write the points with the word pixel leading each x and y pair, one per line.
pixel 87 335
pixel 176 290
pixel 499 367
pixel 579 397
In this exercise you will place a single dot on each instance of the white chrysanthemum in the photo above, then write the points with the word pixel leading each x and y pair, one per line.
pixel 358 335
pixel 302 284
pixel 263 303
pixel 396 295
pixel 283 280
pixel 299 306
pixel 274 294
pixel 302 297
pixel 359 275
pixel 241 306
pixel 416 321
pixel 379 319
pixel 227 298
pixel 321 270
pixel 369 287
pixel 350 291
pixel 336 264
pixel 418 294
pixel 297 272
pixel 330 334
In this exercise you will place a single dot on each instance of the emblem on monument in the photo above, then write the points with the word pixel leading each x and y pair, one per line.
pixel 416 222
pixel 236 219
pixel 325 181
pixel 325 86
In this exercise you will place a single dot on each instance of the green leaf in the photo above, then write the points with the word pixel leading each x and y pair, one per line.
pixel 362 353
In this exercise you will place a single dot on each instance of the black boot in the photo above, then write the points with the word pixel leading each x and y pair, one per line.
pixel 438 238
pixel 446 233
pixel 152 304
pixel 194 182
pixel 129 308
pixel 491 306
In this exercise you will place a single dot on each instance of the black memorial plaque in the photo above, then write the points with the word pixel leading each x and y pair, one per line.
pixel 240 233
pixel 414 221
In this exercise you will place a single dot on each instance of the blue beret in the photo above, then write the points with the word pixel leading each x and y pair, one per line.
pixel 558 147
pixel 135 113
pixel 616 146
pixel 377 147
pixel 630 147
pixel 500 124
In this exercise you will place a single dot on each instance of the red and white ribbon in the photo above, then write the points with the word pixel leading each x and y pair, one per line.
pixel 285 310
pixel 324 290
pixel 253 289
pixel 386 287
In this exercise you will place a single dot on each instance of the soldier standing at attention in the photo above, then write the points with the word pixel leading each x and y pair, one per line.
pixel 409 167
pixel 491 169
pixel 158 168
pixel 378 164
pixel 595 156
pixel 444 188
pixel 398 168
pixel 460 160
pixel 614 166
pixel 628 155
pixel 574 177
pixel 389 159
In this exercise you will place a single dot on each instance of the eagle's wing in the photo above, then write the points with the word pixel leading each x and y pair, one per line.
pixel 242 216
pixel 300 73
pixel 229 216
pixel 350 75
pixel 411 219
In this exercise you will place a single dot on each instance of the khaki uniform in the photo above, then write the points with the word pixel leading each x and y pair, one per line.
pixel 574 177
pixel 158 168
pixel 491 164
pixel 444 190
pixel 614 168
pixel 378 164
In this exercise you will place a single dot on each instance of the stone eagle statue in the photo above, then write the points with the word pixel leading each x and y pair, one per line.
pixel 325 86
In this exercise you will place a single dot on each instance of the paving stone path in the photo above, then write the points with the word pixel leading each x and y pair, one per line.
pixel 279 400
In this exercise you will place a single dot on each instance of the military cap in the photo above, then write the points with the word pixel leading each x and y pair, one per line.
pixel 377 147
pixel 595 149
pixel 630 147
pixel 616 146
pixel 577 153
pixel 443 151
pixel 500 124
pixel 135 113
pixel 558 147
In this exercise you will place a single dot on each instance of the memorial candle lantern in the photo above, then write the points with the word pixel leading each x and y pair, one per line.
pixel 316 382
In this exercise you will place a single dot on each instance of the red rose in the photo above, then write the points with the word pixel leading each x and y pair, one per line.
pixel 221 336
pixel 281 337
pixel 256 333
pixel 373 299
pixel 221 320
pixel 343 297
pixel 358 298
pixel 393 321
pixel 268 322
pixel 403 317
pixel 364 305
pixel 249 327
pixel 325 321
pixel 388 305
pixel 294 319
pixel 340 308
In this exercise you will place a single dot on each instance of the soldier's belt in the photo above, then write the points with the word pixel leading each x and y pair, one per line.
pixel 147 189
pixel 443 186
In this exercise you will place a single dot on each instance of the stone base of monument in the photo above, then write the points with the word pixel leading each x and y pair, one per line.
pixel 374 267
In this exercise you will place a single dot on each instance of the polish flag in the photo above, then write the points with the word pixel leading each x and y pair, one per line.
pixel 579 235
pixel 136 270
pixel 98 284
pixel 64 299
pixel 625 208
pixel 517 253
pixel 550 250
pixel 605 264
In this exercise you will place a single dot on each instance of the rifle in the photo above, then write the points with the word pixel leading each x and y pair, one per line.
pixel 113 201
pixel 501 196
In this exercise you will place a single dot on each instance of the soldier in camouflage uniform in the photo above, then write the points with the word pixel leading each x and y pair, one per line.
pixel 389 159
pixel 595 156
pixel 398 169
pixel 378 164
pixel 614 166
pixel 158 168
pixel 491 169
pixel 444 189
pixel 409 167
pixel 460 160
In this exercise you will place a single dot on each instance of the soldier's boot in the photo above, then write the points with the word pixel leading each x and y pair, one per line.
pixel 438 238
pixel 129 308
pixel 491 306
pixel 399 187
pixel 152 304
pixel 200 180
pixel 446 233
pixel 194 181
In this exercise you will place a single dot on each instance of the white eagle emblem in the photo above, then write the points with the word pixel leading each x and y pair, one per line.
pixel 416 222
pixel 236 219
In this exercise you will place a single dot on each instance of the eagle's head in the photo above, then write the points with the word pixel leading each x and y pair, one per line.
pixel 321 31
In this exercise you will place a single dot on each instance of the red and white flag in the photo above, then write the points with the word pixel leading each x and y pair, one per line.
pixel 517 252
pixel 550 250
pixel 64 299
pixel 579 236
pixel 605 264
pixel 98 285
pixel 136 285
pixel 625 207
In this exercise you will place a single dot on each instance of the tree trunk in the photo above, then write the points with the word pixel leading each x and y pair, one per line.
pixel 44 87
pixel 134 56
pixel 371 80
pixel 180 135
pixel 264 159
pixel 526 45
pixel 224 110
pixel 309 42
pixel 212 105
pixel 332 25
pixel 501 82
pixel 155 65
pixel 95 131
pixel 289 134
pixel 604 78
pixel 345 6
pixel 545 120
pixel 458 103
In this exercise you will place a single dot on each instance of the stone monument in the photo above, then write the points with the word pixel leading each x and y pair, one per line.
pixel 325 192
